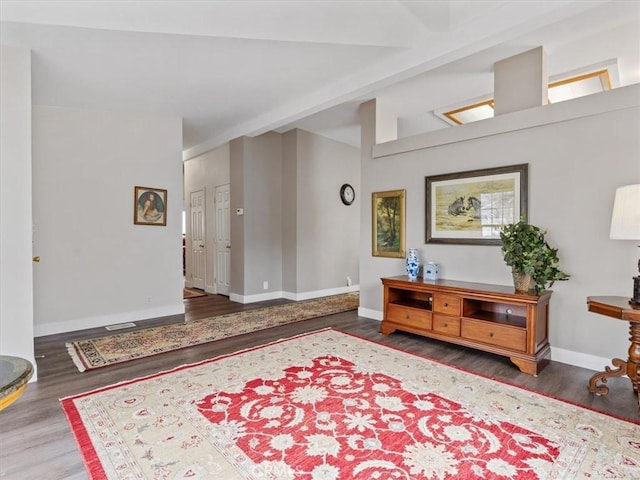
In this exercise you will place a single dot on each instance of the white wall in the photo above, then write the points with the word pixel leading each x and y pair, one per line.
pixel 16 278
pixel 205 172
pixel 578 153
pixel 98 268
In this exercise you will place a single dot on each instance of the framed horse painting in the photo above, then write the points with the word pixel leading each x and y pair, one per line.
pixel 471 207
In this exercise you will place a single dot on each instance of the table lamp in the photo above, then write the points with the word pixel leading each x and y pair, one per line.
pixel 625 225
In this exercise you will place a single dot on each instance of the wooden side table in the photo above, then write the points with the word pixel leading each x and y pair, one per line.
pixel 15 372
pixel 619 307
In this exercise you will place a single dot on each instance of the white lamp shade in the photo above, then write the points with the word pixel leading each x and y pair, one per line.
pixel 625 220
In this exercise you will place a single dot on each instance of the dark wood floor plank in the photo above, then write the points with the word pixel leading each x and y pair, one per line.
pixel 36 443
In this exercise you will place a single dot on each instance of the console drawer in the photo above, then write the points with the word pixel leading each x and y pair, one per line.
pixel 449 304
pixel 513 338
pixel 411 317
pixel 446 325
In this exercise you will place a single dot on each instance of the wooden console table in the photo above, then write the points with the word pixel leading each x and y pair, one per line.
pixel 618 307
pixel 492 318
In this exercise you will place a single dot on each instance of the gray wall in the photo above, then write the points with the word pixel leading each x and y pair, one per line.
pixel 327 230
pixel 295 233
pixel 262 213
pixel 290 211
pixel 256 236
pixel 578 153
pixel 236 175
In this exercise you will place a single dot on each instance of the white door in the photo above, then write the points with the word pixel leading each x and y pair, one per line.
pixel 198 257
pixel 223 240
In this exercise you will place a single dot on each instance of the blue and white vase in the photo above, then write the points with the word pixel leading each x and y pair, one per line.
pixel 413 263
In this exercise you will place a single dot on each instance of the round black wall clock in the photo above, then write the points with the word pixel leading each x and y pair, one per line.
pixel 347 194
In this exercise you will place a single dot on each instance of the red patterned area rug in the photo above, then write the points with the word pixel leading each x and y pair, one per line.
pixel 124 347
pixel 327 406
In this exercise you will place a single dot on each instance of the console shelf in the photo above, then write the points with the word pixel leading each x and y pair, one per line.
pixel 413 303
pixel 492 318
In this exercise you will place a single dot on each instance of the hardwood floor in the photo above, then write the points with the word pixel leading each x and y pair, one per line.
pixel 36 443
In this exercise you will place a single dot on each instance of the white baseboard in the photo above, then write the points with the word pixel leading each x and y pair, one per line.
pixel 261 297
pixel 369 313
pixel 104 320
pixel 321 293
pixel 579 359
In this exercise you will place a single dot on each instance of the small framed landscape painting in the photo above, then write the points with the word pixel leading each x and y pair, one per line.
pixel 388 223
pixel 149 206
pixel 471 207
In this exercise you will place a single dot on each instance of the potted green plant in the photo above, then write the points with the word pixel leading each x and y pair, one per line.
pixel 531 258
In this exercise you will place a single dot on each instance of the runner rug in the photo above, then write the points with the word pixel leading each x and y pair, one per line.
pixel 330 406
pixel 191 293
pixel 123 347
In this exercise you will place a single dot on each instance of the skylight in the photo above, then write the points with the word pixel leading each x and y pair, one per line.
pixel 558 91
pixel 471 113
pixel 580 86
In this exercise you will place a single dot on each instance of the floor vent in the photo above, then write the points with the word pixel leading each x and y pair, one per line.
pixel 120 326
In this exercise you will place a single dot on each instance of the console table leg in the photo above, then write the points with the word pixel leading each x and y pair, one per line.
pixel 602 376
pixel 527 366
pixel 386 329
pixel 633 362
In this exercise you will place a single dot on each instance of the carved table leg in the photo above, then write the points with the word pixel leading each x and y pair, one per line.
pixel 633 363
pixel 618 372
pixel 631 367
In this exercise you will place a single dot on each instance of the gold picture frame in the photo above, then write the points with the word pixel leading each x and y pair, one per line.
pixel 149 206
pixel 388 223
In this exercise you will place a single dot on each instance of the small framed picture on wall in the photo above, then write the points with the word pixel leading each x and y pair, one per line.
pixel 149 206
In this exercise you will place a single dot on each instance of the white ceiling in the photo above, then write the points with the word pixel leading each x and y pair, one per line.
pixel 244 67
